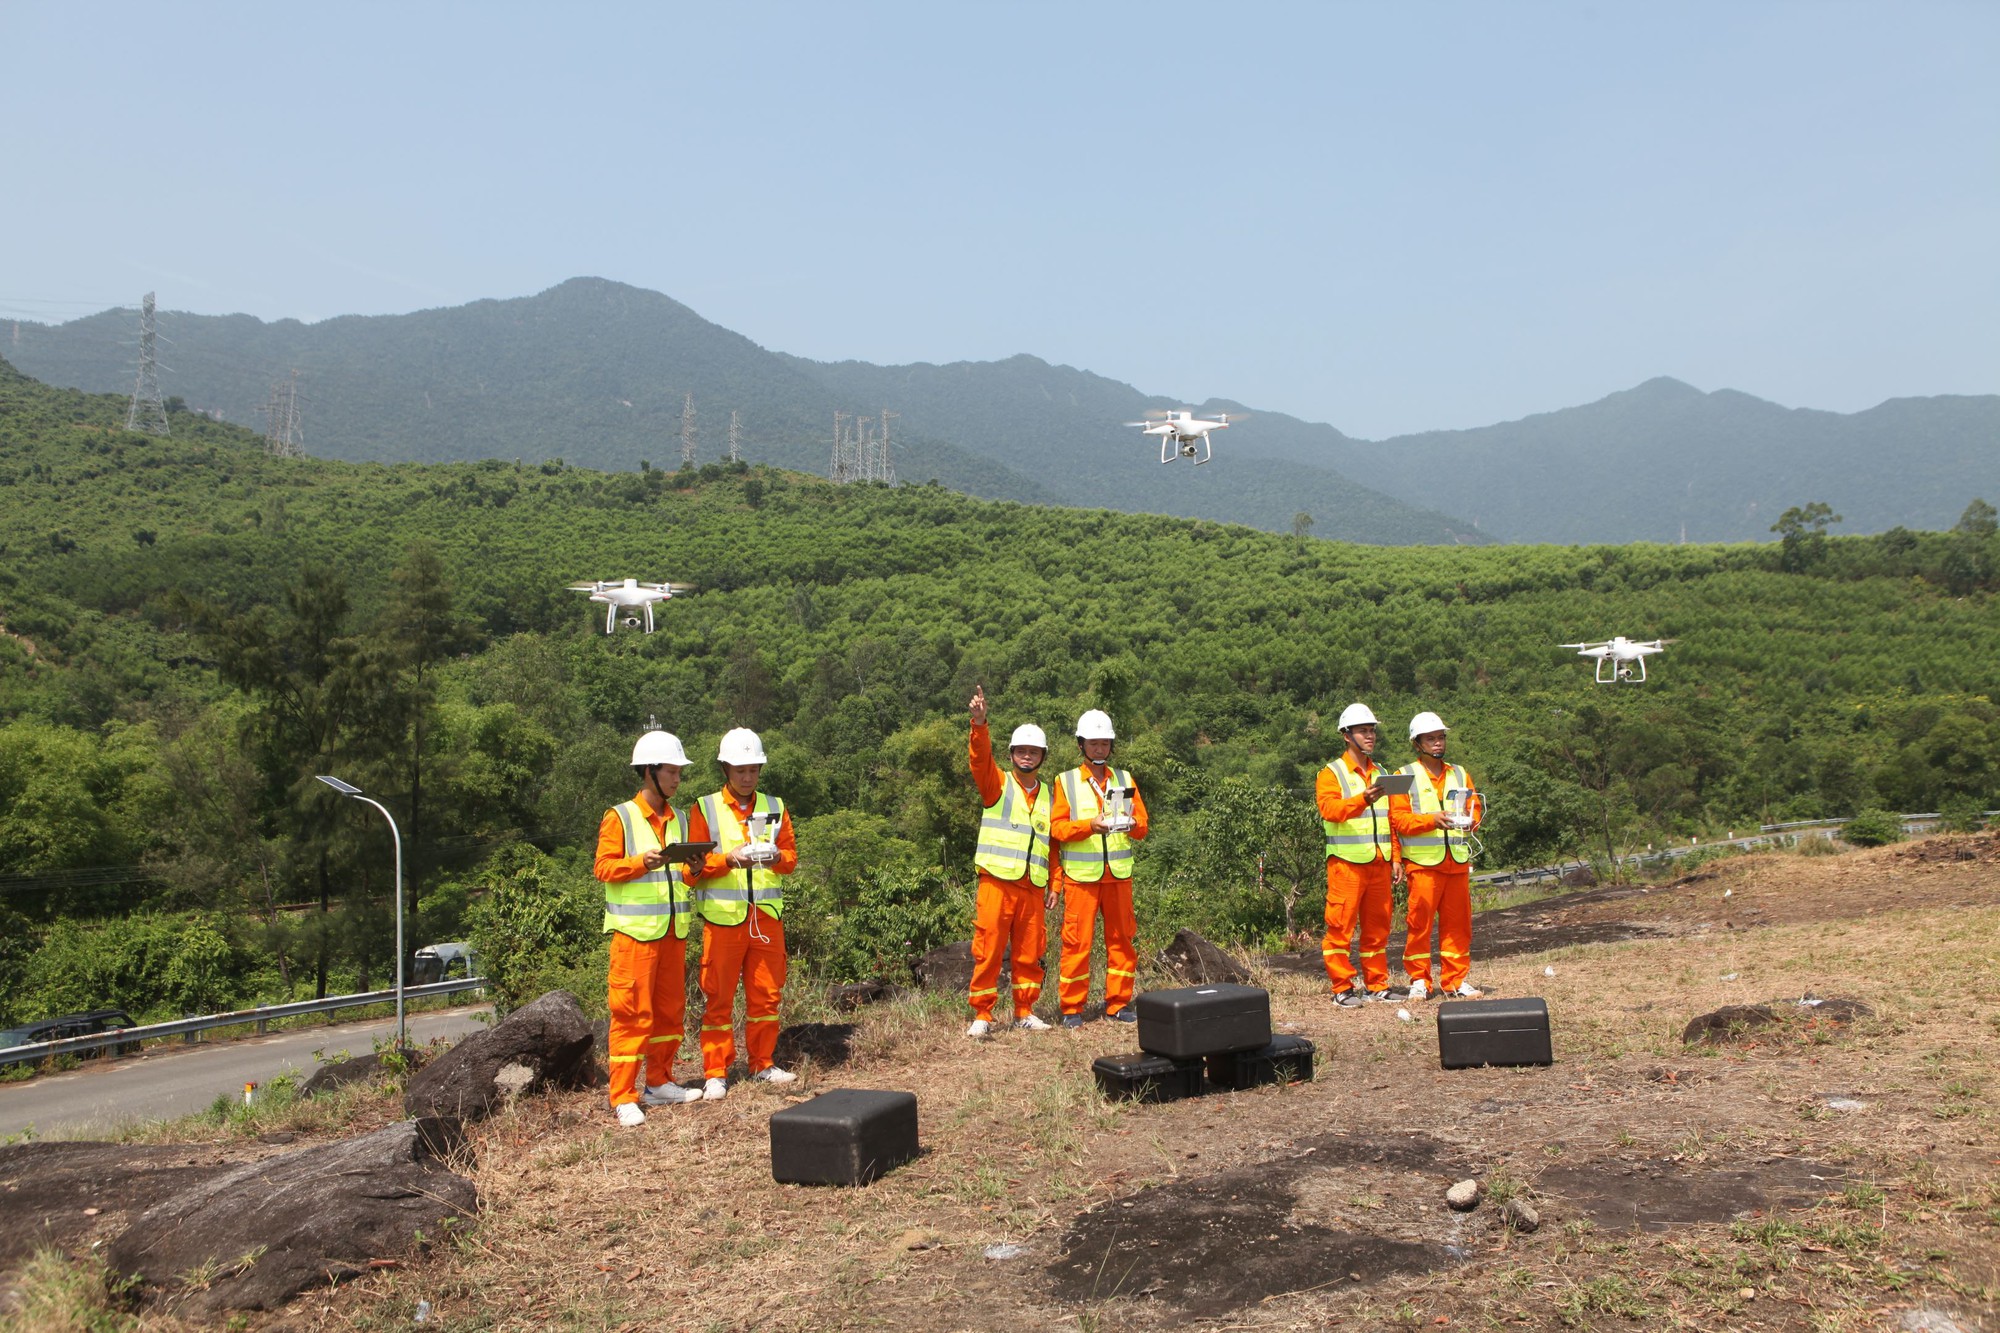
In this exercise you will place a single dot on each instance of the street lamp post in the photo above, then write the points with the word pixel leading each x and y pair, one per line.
pixel 396 838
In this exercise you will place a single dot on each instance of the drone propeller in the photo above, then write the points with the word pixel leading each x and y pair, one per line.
pixel 586 587
pixel 669 587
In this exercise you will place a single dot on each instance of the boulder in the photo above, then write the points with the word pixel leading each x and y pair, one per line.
pixel 57 1193
pixel 946 968
pixel 254 1237
pixel 542 1045
pixel 1735 1021
pixel 1579 877
pixel 340 1073
pixel 849 997
pixel 825 1044
pixel 1464 1196
pixel 1196 962
pixel 1727 1023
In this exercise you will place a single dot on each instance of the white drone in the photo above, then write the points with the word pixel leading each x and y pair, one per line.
pixel 1618 655
pixel 633 597
pixel 1183 433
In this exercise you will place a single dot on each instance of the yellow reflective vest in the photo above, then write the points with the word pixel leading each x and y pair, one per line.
pixel 725 899
pixel 1014 834
pixel 1086 859
pixel 1367 836
pixel 1430 849
pixel 648 907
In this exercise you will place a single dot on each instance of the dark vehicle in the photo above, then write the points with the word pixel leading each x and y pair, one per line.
pixel 440 962
pixel 68 1025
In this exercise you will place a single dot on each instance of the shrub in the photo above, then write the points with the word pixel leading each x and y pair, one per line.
pixel 1962 814
pixel 538 923
pixel 1873 828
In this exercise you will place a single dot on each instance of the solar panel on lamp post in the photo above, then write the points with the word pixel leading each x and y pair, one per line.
pixel 396 838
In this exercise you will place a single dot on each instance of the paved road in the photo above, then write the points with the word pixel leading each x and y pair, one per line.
pixel 175 1080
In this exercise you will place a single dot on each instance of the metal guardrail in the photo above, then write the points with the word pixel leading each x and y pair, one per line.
pixel 259 1016
pixel 1766 835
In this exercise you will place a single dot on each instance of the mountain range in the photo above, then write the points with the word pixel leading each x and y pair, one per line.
pixel 597 373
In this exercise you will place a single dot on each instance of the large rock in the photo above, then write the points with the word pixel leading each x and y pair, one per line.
pixel 850 996
pixel 1198 963
pixel 356 1069
pixel 1734 1022
pixel 946 968
pixel 546 1044
pixel 825 1044
pixel 58 1193
pixel 254 1237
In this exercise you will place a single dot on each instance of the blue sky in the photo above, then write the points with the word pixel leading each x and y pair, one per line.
pixel 1387 217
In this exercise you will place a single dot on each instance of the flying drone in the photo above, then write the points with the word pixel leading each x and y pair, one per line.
pixel 1618 655
pixel 1183 433
pixel 633 598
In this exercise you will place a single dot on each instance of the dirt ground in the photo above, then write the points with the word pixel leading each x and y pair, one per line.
pixel 1805 1174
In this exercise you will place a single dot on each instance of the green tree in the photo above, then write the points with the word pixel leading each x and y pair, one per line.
pixel 1802 536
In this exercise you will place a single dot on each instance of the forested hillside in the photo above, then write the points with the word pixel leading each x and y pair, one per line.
pixel 191 628
pixel 1666 462
pixel 596 373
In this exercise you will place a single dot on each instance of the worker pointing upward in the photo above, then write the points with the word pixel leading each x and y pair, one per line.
pixel 1099 818
pixel 1361 861
pixel 1013 862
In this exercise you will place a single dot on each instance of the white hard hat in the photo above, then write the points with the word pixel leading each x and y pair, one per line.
pixel 1028 734
pixel 1357 715
pixel 658 747
pixel 740 746
pixel 1425 723
pixel 1095 725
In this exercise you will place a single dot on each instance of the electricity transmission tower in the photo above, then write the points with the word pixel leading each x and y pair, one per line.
pixel 887 470
pixel 284 428
pixel 687 430
pixel 843 471
pixel 735 436
pixel 147 414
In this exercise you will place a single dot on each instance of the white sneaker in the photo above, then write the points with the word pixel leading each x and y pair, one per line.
pixel 1029 1023
pixel 980 1028
pixel 1419 991
pixel 773 1074
pixel 715 1090
pixel 630 1116
pixel 1466 991
pixel 670 1094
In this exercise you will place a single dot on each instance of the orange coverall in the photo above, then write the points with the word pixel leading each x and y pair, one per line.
pixel 752 953
pixel 1082 903
pixel 648 983
pixel 1363 892
pixel 1442 891
pixel 1007 920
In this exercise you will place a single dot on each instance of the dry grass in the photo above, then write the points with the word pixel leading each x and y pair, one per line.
pixel 679 1225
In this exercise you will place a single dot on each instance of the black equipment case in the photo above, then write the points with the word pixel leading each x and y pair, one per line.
pixel 1194 1021
pixel 1284 1059
pixel 1494 1032
pixel 1147 1078
pixel 846 1136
